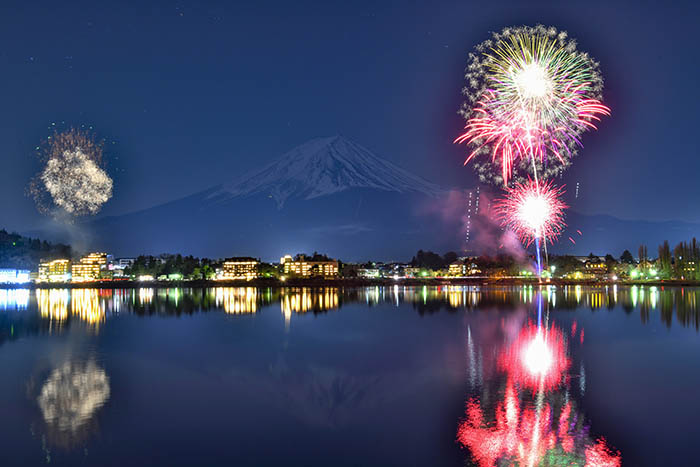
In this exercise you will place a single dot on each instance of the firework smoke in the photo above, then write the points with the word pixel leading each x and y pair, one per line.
pixel 530 95
pixel 72 181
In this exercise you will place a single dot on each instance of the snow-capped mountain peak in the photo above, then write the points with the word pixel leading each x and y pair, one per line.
pixel 324 166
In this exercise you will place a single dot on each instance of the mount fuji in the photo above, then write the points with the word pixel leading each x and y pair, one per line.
pixel 330 195
pixel 322 167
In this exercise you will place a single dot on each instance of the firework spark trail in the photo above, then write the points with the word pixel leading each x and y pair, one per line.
pixel 530 96
pixel 72 180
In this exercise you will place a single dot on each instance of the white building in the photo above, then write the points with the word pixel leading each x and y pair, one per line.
pixel 14 276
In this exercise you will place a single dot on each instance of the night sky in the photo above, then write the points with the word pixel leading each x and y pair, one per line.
pixel 191 94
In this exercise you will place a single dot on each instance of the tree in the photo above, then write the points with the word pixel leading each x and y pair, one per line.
pixel 665 262
pixel 642 256
pixel 565 264
pixel 268 270
pixel 627 257
pixel 695 257
pixel 449 258
pixel 427 260
pixel 680 260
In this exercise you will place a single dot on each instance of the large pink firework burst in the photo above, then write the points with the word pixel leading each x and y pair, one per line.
pixel 533 210
pixel 531 95
pixel 520 137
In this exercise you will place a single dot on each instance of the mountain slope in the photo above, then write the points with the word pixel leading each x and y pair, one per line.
pixel 321 167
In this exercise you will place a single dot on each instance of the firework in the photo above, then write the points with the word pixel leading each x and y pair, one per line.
pixel 533 211
pixel 530 96
pixel 72 180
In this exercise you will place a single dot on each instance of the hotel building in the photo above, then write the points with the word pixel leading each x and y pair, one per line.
pixel 239 269
pixel 303 267
pixel 89 267
pixel 57 270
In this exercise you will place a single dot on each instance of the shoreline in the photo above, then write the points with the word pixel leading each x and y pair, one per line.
pixel 317 282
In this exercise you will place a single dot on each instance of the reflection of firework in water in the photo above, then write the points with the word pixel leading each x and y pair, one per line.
pixel 532 419
pixel 537 358
pixel 70 397
pixel 530 96
pixel 533 210
pixel 72 179
pixel 532 436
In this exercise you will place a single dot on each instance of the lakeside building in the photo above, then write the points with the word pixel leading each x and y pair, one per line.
pixel 596 267
pixel 463 268
pixel 119 265
pixel 89 268
pixel 368 273
pixel 243 268
pixel 303 267
pixel 14 276
pixel 57 270
pixel 411 272
pixel 124 262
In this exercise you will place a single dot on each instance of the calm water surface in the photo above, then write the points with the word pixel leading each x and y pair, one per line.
pixel 444 376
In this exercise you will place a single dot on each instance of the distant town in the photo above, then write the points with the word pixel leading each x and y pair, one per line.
pixel 31 261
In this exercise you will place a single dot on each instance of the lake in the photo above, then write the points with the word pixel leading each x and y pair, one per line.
pixel 386 376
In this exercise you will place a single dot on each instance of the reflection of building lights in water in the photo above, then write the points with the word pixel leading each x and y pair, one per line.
pixel 53 304
pixel 458 296
pixel 372 295
pixel 85 303
pixel 14 299
pixel 633 293
pixel 294 300
pixel 145 296
pixel 71 396
pixel 237 300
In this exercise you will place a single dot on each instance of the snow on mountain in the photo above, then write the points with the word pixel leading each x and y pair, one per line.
pixel 321 167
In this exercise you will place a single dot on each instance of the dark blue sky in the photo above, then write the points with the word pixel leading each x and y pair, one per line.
pixel 195 93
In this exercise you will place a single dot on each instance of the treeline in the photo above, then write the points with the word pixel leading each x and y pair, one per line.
pixel 188 267
pixel 21 252
pixel 430 260
pixel 683 262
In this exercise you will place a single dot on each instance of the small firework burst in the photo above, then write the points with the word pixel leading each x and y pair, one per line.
pixel 530 96
pixel 72 180
pixel 533 210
